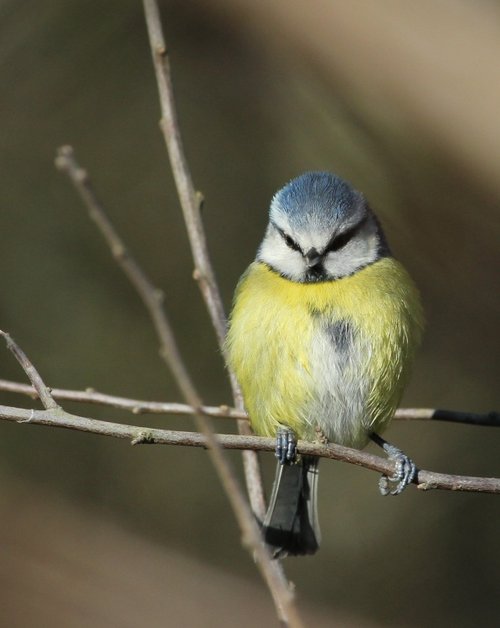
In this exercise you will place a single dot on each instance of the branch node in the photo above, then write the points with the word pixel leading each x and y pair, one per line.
pixel 200 200
pixel 159 295
pixel 64 156
pixel 38 384
pixel 27 419
pixel 118 250
pixel 81 175
pixel 143 438
pixel 166 126
pixel 197 274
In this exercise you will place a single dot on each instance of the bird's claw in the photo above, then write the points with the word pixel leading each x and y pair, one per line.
pixel 404 472
pixel 286 446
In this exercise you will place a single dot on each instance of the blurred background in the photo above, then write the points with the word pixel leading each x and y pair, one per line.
pixel 402 99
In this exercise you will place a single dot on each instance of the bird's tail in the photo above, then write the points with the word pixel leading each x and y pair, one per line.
pixel 291 524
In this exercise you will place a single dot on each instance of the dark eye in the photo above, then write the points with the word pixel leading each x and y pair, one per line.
pixel 290 242
pixel 340 241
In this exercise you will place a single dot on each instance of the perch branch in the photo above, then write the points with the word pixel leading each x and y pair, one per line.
pixel 153 301
pixel 425 480
pixel 191 201
pixel 137 406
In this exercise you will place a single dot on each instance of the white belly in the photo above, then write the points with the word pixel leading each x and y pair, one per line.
pixel 340 385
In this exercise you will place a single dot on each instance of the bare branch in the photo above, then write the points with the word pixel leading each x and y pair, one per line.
pixel 153 300
pixel 490 419
pixel 137 406
pixel 425 480
pixel 190 201
pixel 41 389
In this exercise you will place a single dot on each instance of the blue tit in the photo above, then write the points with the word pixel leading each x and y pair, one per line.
pixel 322 335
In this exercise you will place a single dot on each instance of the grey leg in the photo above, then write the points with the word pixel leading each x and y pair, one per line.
pixel 286 446
pixel 404 472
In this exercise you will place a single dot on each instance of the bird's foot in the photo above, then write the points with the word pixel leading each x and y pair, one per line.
pixel 404 469
pixel 286 446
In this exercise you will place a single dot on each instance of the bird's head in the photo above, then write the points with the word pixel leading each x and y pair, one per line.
pixel 320 228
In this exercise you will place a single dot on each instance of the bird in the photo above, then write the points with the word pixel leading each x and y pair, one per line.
pixel 322 335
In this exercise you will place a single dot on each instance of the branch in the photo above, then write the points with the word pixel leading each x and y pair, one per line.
pixel 137 406
pixel 39 387
pixel 151 297
pixel 491 419
pixel 425 480
pixel 153 301
pixel 191 201
pixel 189 198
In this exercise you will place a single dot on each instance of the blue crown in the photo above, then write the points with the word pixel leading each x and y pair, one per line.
pixel 316 197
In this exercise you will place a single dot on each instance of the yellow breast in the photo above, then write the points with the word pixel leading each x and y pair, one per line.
pixel 333 355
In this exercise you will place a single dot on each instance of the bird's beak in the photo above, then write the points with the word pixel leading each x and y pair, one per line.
pixel 313 258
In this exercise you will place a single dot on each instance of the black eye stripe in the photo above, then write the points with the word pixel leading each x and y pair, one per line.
pixel 289 241
pixel 339 241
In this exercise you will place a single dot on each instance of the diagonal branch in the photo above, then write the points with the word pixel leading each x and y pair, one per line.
pixel 425 480
pixel 138 406
pixel 153 301
pixel 189 198
pixel 190 201
pixel 152 298
pixel 41 389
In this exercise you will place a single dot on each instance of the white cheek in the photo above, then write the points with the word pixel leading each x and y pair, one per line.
pixel 280 257
pixel 356 254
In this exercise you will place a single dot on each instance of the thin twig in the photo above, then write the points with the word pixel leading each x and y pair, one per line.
pixel 41 389
pixel 153 300
pixel 425 480
pixel 138 406
pixel 191 201
pixel 66 162
pixel 490 419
